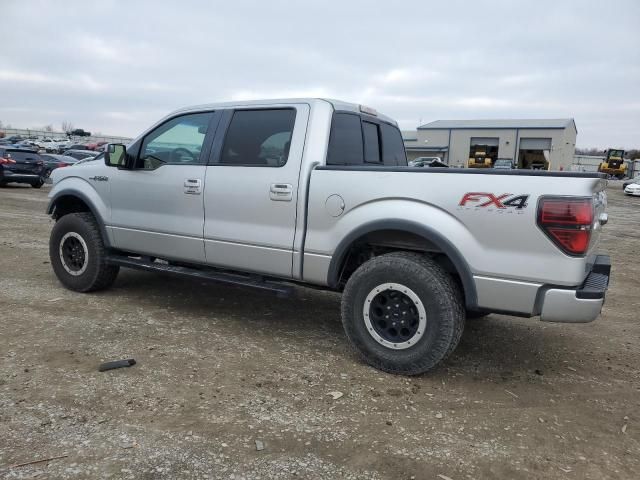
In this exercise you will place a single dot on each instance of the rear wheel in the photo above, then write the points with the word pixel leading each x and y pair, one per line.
pixel 77 254
pixel 403 313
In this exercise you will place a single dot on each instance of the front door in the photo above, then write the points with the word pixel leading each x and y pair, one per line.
pixel 252 189
pixel 157 207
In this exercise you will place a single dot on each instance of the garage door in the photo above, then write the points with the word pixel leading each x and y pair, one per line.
pixel 535 144
pixel 488 141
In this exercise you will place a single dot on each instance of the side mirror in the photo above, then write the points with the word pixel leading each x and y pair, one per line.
pixel 115 155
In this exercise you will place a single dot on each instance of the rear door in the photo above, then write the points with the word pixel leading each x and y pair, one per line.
pixel 157 207
pixel 251 189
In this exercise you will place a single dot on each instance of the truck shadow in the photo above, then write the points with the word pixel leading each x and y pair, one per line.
pixel 494 347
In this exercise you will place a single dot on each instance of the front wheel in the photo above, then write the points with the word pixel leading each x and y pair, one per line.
pixel 77 254
pixel 403 313
pixel 38 183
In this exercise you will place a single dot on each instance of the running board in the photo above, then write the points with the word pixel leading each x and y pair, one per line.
pixel 211 275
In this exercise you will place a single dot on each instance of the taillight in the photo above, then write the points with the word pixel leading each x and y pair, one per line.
pixel 4 161
pixel 62 164
pixel 567 222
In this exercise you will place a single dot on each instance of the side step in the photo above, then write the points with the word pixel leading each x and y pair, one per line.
pixel 208 274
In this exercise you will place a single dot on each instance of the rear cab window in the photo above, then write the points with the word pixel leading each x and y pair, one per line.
pixel 371 139
pixel 362 140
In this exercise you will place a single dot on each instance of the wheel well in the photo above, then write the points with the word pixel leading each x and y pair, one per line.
pixel 68 204
pixel 379 242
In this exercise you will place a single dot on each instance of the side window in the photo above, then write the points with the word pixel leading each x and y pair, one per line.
pixel 259 138
pixel 393 152
pixel 345 141
pixel 178 140
pixel 371 142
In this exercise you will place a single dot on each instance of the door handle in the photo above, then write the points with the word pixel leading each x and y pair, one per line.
pixel 281 192
pixel 192 186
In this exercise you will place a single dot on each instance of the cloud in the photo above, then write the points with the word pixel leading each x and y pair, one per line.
pixel 80 81
pixel 118 66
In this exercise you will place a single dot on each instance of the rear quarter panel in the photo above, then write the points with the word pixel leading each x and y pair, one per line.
pixel 495 242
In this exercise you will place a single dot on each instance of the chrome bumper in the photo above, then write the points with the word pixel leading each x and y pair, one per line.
pixel 580 305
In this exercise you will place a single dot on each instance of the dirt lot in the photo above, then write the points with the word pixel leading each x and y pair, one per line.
pixel 221 368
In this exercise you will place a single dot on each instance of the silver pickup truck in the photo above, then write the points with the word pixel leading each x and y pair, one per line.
pixel 269 194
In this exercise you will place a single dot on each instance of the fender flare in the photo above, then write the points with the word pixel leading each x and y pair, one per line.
pixel 424 231
pixel 68 192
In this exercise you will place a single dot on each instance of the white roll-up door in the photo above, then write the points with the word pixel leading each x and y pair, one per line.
pixel 535 144
pixel 488 141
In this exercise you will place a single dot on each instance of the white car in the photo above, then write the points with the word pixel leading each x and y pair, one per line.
pixel 633 189
pixel 48 144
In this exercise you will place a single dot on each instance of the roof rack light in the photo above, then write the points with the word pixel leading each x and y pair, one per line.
pixel 368 110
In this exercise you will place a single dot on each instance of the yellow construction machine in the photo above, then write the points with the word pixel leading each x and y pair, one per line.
pixel 614 164
pixel 480 160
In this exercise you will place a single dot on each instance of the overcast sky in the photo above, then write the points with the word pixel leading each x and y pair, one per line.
pixel 117 66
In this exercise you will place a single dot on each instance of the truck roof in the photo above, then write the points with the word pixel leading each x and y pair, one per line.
pixel 336 104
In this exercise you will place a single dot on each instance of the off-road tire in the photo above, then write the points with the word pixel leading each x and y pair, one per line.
pixel 98 274
pixel 437 291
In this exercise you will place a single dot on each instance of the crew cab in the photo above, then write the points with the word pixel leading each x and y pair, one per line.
pixel 270 194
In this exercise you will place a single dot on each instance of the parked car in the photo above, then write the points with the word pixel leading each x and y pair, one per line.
pixel 28 145
pixel 428 162
pixel 53 161
pixel 96 145
pixel 80 154
pixel 503 164
pixel 628 182
pixel 632 189
pixel 18 165
pixel 62 145
pixel 14 139
pixel 78 146
pixel 47 144
pixel 258 195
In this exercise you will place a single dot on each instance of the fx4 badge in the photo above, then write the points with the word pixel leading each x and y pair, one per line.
pixel 502 202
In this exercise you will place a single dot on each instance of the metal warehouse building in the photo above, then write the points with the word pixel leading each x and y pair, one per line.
pixel 527 143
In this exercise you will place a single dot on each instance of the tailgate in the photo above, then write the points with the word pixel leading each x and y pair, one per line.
pixel 600 216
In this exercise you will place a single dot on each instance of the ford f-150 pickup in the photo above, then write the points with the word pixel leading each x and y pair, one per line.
pixel 269 194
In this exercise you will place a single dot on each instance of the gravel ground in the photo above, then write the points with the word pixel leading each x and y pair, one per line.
pixel 231 383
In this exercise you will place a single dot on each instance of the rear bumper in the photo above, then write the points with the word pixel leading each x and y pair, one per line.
pixel 9 177
pixel 580 305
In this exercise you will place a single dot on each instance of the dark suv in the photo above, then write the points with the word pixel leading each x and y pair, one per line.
pixel 21 166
